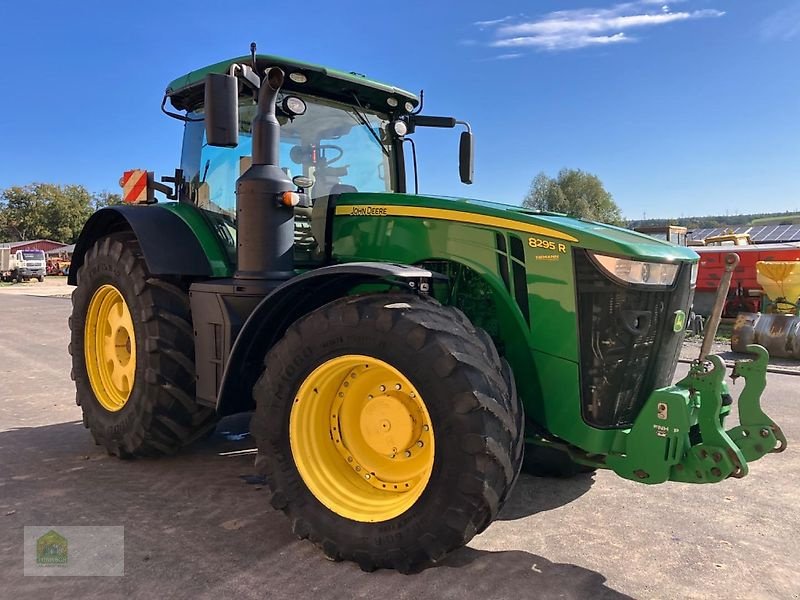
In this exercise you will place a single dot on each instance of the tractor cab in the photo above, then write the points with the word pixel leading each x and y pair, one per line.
pixel 339 133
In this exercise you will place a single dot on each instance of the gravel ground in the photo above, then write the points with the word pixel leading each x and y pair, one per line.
pixel 198 526
pixel 52 286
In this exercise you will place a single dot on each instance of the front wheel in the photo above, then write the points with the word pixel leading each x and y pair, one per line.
pixel 388 429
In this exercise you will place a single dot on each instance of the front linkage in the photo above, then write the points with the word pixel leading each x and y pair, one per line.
pixel 680 436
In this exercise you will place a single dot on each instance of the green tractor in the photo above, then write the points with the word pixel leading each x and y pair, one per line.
pixel 399 351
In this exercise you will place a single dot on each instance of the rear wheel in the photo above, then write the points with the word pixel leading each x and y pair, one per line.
pixel 387 430
pixel 132 349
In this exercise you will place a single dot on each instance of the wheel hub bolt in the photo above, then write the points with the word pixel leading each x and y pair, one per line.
pixel 382 388
pixel 764 432
pixel 425 428
pixel 420 443
pixel 397 386
pixel 408 453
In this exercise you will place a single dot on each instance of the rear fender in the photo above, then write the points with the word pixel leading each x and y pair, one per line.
pixel 169 245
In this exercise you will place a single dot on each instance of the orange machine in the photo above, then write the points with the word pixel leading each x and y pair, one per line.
pixel 746 291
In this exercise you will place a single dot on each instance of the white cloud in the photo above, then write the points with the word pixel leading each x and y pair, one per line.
pixel 491 22
pixel 579 28
pixel 508 56
pixel 560 42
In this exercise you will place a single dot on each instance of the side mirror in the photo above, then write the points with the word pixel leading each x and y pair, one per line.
pixel 466 157
pixel 221 108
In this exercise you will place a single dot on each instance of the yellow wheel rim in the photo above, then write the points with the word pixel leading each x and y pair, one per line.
pixel 362 438
pixel 110 348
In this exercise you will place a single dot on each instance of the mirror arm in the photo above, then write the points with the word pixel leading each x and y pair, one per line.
pixel 175 115
pixel 465 124
pixel 246 75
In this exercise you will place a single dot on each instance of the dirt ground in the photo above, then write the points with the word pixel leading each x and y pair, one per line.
pixel 198 526
pixel 52 286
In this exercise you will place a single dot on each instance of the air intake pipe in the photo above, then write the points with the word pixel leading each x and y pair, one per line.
pixel 265 226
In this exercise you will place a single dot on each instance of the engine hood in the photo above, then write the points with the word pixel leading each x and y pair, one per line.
pixel 577 232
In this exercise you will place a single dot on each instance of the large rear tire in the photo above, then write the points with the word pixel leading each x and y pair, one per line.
pixel 387 429
pixel 132 347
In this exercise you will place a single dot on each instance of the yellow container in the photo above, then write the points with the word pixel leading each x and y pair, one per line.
pixel 780 280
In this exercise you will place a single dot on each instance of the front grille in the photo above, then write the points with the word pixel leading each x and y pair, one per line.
pixel 627 344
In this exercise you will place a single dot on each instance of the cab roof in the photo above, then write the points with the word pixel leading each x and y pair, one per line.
pixel 186 92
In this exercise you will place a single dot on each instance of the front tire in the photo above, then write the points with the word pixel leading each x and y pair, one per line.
pixel 387 430
pixel 132 347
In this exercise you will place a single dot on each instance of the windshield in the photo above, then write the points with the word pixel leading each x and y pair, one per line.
pixel 340 147
pixel 33 255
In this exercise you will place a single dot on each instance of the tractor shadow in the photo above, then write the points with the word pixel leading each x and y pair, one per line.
pixel 532 495
pixel 206 506
pixel 516 573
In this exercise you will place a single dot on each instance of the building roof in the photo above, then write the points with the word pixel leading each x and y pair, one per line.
pixel 62 250
pixel 13 245
pixel 760 234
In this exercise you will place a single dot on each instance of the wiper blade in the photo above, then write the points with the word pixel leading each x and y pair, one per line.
pixel 365 122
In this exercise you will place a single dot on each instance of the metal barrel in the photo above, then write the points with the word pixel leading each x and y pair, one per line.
pixel 779 334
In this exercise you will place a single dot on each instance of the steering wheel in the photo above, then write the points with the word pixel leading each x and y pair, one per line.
pixel 325 147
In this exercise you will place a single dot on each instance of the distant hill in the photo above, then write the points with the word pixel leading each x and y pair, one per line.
pixel 786 218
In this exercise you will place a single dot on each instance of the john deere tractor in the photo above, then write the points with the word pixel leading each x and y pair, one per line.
pixel 399 351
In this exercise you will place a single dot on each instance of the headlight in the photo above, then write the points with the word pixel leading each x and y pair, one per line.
pixel 294 106
pixel 695 269
pixel 638 272
pixel 400 128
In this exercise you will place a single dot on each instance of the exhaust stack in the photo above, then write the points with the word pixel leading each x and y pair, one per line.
pixel 265 226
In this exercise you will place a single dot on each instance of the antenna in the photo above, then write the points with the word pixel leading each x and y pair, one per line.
pixel 421 102
pixel 253 55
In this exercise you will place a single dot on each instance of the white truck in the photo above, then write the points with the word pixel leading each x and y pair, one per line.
pixel 21 265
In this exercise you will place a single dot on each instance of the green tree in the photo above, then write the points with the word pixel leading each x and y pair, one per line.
pixel 44 210
pixel 105 198
pixel 576 193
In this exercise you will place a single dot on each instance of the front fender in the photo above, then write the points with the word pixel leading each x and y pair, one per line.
pixel 289 302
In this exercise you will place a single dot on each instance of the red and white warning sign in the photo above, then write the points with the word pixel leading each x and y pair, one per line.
pixel 134 186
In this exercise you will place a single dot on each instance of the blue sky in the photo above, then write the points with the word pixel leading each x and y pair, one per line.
pixel 681 108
